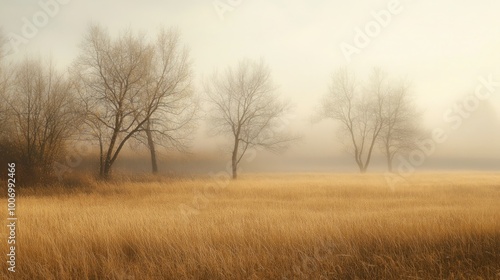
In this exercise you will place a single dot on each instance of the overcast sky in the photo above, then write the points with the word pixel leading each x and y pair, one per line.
pixel 442 47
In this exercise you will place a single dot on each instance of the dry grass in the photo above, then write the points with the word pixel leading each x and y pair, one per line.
pixel 302 226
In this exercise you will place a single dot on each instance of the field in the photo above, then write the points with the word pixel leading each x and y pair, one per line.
pixel 297 226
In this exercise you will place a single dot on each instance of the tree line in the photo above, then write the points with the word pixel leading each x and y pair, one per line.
pixel 134 88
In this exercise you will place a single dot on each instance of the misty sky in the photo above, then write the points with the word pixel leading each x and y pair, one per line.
pixel 442 47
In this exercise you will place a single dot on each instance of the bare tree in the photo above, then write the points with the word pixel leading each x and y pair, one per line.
pixel 402 124
pixel 42 110
pixel 172 124
pixel 113 76
pixel 244 105
pixel 127 86
pixel 359 110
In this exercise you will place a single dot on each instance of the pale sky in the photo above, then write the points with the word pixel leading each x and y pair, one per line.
pixel 442 47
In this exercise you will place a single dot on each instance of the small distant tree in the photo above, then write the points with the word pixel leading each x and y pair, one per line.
pixel 244 106
pixel 377 111
pixel 359 111
pixel 401 128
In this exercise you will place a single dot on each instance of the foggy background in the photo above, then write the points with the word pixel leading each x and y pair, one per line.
pixel 442 48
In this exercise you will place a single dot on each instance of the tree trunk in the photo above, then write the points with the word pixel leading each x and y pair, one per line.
pixel 106 170
pixel 234 159
pixel 109 153
pixel 359 161
pixel 235 168
pixel 101 159
pixel 152 150
pixel 389 158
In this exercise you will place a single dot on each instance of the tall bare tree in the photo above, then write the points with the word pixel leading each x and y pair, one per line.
pixel 402 124
pixel 359 109
pixel 127 86
pixel 245 106
pixel 172 124
pixel 42 109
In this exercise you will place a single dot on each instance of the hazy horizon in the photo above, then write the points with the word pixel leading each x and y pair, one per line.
pixel 442 48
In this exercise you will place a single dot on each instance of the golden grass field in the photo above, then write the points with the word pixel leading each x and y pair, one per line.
pixel 297 226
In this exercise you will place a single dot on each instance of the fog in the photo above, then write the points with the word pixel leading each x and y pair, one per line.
pixel 444 49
